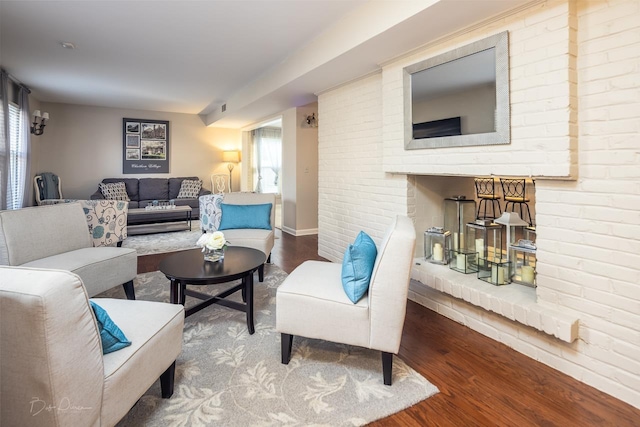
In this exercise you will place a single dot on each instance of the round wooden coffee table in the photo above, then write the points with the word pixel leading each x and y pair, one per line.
pixel 189 268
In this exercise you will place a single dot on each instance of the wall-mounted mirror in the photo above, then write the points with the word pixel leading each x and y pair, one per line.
pixel 459 98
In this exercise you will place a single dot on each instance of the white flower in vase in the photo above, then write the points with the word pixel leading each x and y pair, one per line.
pixel 212 241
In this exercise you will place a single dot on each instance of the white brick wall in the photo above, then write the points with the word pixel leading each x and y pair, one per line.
pixel 541 104
pixel 588 229
pixel 353 192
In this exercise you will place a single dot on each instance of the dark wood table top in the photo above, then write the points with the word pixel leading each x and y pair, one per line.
pixel 190 267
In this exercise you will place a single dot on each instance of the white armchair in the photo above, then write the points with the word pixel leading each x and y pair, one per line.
pixel 51 353
pixel 312 303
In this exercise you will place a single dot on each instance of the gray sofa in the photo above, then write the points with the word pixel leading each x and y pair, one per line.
pixel 57 237
pixel 142 191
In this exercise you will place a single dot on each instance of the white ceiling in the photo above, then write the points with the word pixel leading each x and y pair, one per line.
pixel 258 56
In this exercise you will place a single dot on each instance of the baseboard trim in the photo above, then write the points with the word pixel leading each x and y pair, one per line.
pixel 297 233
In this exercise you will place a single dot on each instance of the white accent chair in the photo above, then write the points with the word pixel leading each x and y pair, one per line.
pixel 220 183
pixel 51 363
pixel 262 240
pixel 312 303
pixel 57 237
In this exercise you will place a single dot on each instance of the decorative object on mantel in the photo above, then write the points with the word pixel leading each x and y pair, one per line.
pixel 485 237
pixel 525 260
pixel 486 193
pixel 437 243
pixel 495 271
pixel 463 261
pixel 458 211
pixel 38 128
pixel 145 146
pixel 515 231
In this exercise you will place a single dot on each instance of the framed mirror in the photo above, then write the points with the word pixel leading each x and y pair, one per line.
pixel 459 98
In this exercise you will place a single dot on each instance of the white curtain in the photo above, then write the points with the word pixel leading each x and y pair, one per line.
pixel 268 157
pixel 24 148
pixel 5 143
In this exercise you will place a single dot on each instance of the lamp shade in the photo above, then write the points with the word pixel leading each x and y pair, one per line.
pixel 231 156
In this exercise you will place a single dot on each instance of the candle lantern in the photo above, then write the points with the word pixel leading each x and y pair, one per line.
pixel 530 233
pixel 463 261
pixel 515 227
pixel 485 238
pixel 495 271
pixel 525 258
pixel 458 211
pixel 436 245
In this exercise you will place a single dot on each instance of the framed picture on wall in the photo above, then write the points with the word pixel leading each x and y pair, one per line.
pixel 145 146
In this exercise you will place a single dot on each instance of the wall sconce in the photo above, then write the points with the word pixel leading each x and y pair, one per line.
pixel 312 121
pixel 230 157
pixel 38 128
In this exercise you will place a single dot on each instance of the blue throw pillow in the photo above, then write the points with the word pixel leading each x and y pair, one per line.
pixel 245 216
pixel 357 266
pixel 111 336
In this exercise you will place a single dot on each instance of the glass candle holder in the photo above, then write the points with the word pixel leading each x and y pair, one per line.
pixel 436 245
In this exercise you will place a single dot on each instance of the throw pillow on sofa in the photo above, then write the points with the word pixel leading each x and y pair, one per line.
pixel 114 191
pixel 189 189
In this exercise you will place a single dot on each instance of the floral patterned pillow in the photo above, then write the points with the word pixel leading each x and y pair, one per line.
pixel 114 191
pixel 189 189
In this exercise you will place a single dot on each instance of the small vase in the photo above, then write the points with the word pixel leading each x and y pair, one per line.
pixel 213 255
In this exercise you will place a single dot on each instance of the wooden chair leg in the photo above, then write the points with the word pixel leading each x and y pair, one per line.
pixel 128 290
pixel 261 273
pixel 166 381
pixel 387 367
pixel 286 343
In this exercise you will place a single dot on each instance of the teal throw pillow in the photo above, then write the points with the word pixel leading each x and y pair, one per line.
pixel 111 336
pixel 245 216
pixel 357 266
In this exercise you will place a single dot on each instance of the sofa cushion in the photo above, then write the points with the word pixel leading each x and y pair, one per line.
pixel 153 189
pixel 114 191
pixel 155 330
pixel 176 183
pixel 130 183
pixel 357 266
pixel 189 189
pixel 245 216
pixel 113 339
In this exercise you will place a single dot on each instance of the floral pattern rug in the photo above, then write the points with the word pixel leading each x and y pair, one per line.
pixel 226 377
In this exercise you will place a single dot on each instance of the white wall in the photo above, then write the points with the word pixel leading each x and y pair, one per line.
pixel 83 145
pixel 299 172
pixel 574 72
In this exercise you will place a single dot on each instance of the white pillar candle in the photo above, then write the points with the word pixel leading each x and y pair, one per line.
pixel 460 262
pixel 455 241
pixel 497 275
pixel 437 252
pixel 527 274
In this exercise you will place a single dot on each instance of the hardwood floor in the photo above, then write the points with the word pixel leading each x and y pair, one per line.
pixel 481 382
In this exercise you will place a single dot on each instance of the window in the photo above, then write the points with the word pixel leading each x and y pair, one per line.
pixel 267 159
pixel 17 160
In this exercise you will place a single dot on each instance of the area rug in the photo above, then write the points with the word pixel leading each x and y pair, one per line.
pixel 226 377
pixel 146 244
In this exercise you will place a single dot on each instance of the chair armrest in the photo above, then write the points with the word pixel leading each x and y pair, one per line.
pixel 203 191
